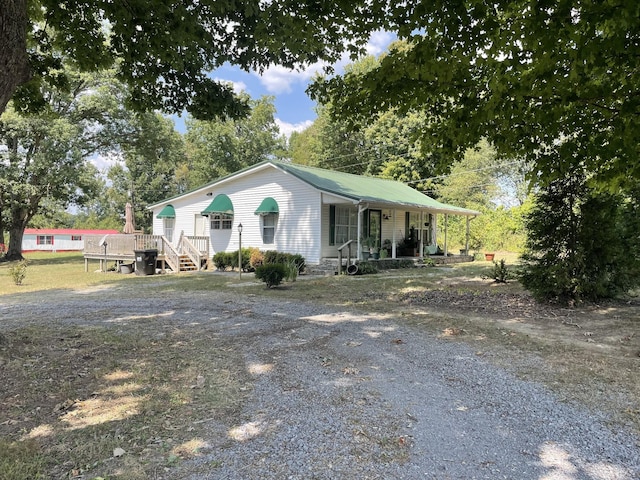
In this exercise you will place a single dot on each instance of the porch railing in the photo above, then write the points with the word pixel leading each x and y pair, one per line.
pixel 200 242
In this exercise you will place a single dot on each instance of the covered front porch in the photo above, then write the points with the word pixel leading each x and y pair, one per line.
pixel 375 231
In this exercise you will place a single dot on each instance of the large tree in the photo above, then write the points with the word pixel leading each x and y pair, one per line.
pixel 151 154
pixel 220 147
pixel 44 157
pixel 164 49
pixel 555 82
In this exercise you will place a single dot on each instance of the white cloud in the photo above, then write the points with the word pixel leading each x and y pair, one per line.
pixel 379 42
pixel 277 79
pixel 107 160
pixel 288 128
pixel 238 87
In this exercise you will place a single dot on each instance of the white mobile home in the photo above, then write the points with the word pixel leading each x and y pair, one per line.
pixel 57 239
pixel 311 211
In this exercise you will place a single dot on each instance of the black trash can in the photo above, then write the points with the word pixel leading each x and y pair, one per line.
pixel 146 261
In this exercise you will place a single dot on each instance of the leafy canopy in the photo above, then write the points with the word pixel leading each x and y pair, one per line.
pixel 556 83
pixel 164 49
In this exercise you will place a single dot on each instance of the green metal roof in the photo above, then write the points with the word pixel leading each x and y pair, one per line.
pixel 354 187
pixel 220 204
pixel 368 189
pixel 268 205
pixel 167 212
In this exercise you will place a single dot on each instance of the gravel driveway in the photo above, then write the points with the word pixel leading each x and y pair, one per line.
pixel 341 395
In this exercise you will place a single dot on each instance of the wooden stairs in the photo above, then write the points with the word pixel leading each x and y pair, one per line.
pixel 187 265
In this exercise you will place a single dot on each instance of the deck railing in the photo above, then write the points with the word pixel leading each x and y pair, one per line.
pixel 124 245
pixel 200 242
pixel 110 245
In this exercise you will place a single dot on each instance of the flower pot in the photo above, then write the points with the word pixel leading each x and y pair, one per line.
pixel 489 257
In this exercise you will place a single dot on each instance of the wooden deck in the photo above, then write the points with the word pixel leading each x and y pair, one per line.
pixel 191 253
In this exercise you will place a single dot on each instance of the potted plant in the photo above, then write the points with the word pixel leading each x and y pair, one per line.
pixel 489 257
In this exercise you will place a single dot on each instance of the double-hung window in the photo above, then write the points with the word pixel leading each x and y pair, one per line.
pixel 44 240
pixel 345 224
pixel 268 228
pixel 221 221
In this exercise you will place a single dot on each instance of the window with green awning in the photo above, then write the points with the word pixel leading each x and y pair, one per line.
pixel 220 205
pixel 267 207
pixel 167 212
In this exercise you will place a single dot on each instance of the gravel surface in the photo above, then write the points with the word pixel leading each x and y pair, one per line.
pixel 341 395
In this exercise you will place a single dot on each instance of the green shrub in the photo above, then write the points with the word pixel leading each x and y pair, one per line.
pixel 225 260
pixel 291 271
pixel 582 243
pixel 366 268
pixel 271 273
pixel 271 256
pixel 500 272
pixel 18 271
pixel 395 263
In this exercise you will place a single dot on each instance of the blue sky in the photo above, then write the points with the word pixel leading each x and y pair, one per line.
pixel 295 111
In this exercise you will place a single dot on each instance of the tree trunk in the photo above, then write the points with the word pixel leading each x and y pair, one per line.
pixel 19 220
pixel 14 61
pixel 15 243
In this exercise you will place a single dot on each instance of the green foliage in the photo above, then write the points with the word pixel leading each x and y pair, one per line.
pixel 367 268
pixel 579 246
pixel 18 271
pixel 272 256
pixel 165 50
pixel 223 146
pixel 291 271
pixel 45 163
pixel 225 260
pixel 396 263
pixel 271 273
pixel 537 82
pixel 500 272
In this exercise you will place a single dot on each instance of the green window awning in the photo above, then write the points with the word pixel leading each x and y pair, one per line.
pixel 221 204
pixel 167 212
pixel 268 205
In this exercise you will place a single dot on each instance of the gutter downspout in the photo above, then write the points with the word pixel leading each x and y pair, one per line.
pixel 446 226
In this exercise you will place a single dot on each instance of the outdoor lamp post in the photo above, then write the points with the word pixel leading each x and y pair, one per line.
pixel 240 249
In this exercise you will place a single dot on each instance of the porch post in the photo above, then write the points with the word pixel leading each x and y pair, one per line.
pixel 361 208
pixel 394 253
pixel 446 224
pixel 421 231
pixel 466 243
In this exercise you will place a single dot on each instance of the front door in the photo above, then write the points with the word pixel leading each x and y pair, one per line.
pixel 200 223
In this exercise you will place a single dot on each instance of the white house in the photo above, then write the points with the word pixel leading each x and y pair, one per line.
pixel 299 209
pixel 57 239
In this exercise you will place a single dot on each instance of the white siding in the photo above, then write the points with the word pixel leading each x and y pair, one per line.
pixel 298 224
pixel 61 242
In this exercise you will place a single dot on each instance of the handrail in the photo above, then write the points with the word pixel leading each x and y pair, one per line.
pixel 172 257
pixel 340 249
pixel 191 251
